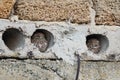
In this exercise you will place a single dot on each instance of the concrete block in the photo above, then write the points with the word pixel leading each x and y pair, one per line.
pixel 64 40
pixel 76 11
pixel 100 71
pixel 12 69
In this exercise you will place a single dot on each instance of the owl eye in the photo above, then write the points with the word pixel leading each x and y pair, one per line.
pixel 40 37
pixel 36 37
pixel 96 45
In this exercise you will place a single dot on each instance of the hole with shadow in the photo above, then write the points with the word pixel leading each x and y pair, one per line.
pixel 111 56
pixel 97 43
pixel 42 39
pixel 13 39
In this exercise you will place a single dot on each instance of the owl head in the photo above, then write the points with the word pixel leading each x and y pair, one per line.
pixel 39 35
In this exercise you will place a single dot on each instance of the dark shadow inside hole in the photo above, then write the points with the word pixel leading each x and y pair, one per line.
pixel 42 39
pixel 111 57
pixel 13 39
pixel 97 43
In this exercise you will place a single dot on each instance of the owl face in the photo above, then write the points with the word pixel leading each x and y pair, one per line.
pixel 39 41
pixel 93 45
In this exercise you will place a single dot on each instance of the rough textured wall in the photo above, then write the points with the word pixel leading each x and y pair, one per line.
pixel 107 12
pixel 54 10
pixel 100 17
pixel 57 70
pixel 6 7
pixel 77 11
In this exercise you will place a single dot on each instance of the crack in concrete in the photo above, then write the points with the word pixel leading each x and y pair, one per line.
pixel 55 71
pixel 47 68
pixel 17 58
pixel 53 59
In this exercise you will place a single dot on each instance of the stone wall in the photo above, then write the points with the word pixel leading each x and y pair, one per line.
pixel 69 26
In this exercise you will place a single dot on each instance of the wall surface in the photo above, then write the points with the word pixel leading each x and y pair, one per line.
pixel 89 28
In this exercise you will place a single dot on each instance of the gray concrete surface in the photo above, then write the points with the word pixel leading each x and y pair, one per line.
pixel 11 69
pixel 66 39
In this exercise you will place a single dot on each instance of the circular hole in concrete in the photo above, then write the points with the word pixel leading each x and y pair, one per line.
pixel 42 39
pixel 13 39
pixel 97 43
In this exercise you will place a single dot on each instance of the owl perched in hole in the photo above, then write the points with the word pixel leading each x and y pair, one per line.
pixel 94 45
pixel 40 41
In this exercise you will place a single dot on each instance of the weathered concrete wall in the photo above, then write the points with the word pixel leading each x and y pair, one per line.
pixel 69 26
pixel 57 70
pixel 36 70
pixel 62 43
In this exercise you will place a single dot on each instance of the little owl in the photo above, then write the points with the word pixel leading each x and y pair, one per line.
pixel 94 45
pixel 40 41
